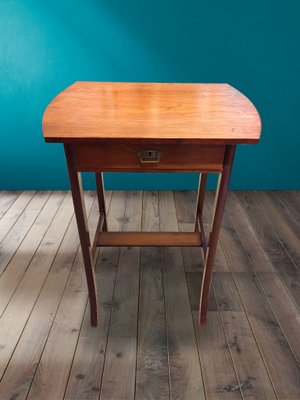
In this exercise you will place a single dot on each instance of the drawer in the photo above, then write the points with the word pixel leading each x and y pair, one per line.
pixel 148 158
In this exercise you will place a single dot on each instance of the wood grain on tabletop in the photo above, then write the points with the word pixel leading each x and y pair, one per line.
pixel 175 111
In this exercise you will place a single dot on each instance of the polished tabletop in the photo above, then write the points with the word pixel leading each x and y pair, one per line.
pixel 176 112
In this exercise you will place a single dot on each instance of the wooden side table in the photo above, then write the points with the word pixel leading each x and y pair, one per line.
pixel 148 127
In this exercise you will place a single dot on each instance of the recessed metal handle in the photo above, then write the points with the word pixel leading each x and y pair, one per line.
pixel 149 156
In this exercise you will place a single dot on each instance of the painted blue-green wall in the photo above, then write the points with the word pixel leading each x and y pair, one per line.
pixel 47 45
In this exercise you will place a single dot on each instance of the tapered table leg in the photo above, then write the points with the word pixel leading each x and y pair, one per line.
pixel 220 199
pixel 101 201
pixel 76 187
pixel 199 226
pixel 201 197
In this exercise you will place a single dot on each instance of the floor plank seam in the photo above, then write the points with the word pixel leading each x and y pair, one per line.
pixel 272 263
pixel 193 321
pixel 10 204
pixel 281 243
pixel 86 305
pixel 249 322
pixel 33 255
pixel 166 325
pixel 58 305
pixel 112 307
pixel 30 313
pixel 137 323
pixel 220 315
pixel 262 291
pixel 19 216
pixel 249 347
pixel 228 347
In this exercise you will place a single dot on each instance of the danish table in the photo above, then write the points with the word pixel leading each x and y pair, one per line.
pixel 150 127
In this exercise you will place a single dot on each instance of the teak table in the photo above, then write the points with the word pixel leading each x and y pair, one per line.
pixel 150 127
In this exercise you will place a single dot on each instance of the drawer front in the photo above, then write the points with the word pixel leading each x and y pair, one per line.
pixel 148 158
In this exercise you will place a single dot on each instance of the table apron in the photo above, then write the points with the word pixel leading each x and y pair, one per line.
pixel 91 157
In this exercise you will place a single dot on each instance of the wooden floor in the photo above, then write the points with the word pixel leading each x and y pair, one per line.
pixel 148 344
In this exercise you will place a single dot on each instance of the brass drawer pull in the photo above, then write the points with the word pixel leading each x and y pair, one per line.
pixel 149 156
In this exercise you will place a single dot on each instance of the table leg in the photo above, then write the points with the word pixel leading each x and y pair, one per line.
pixel 76 188
pixel 101 201
pixel 201 196
pixel 220 199
pixel 199 226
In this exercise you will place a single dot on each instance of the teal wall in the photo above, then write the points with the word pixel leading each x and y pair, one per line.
pixel 47 45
